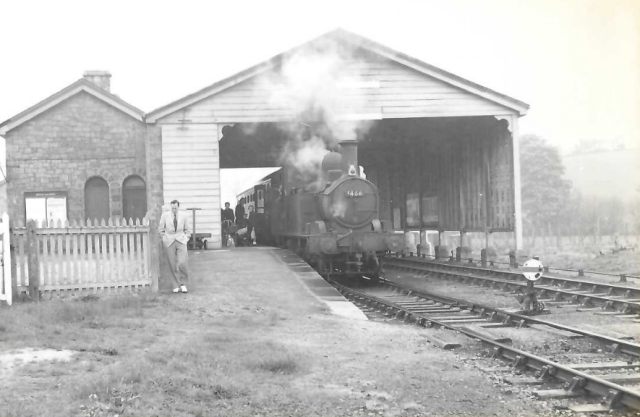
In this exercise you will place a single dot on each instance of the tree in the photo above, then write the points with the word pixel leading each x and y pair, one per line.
pixel 545 192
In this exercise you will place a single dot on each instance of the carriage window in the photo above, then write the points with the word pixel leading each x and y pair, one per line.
pixel 259 194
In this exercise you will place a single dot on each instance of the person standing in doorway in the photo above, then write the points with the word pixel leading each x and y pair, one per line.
pixel 240 211
pixel 175 232
pixel 252 222
pixel 227 213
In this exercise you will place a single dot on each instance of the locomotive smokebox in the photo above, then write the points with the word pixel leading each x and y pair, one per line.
pixel 349 151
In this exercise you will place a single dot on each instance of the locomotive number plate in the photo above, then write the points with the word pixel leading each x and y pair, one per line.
pixel 351 193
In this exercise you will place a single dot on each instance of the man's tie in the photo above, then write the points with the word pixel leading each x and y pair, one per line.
pixel 175 223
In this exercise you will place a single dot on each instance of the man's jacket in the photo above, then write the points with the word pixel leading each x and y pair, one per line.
pixel 169 234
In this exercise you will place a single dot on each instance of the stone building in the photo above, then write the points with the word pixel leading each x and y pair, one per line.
pixel 79 154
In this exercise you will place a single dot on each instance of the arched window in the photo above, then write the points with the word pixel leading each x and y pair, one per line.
pixel 134 198
pixel 96 199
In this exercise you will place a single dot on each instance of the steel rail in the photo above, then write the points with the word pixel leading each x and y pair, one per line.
pixel 491 313
pixel 517 275
pixel 577 295
pixel 580 272
pixel 614 393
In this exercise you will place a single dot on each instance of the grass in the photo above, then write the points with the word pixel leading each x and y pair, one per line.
pixel 281 364
pixel 132 352
pixel 223 352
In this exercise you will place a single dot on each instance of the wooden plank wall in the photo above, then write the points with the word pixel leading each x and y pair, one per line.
pixel 468 167
pixel 501 165
pixel 191 174
pixel 476 179
pixel 371 86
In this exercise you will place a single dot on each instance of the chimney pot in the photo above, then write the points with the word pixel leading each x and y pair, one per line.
pixel 100 78
pixel 349 151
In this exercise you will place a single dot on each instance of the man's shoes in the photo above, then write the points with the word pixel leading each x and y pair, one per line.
pixel 176 290
pixel 183 288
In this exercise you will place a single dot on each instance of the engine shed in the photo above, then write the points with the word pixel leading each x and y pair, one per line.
pixel 442 150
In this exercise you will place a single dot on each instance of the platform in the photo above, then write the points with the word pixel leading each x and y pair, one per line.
pixel 213 271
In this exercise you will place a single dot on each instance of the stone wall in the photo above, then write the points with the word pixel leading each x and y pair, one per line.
pixel 60 149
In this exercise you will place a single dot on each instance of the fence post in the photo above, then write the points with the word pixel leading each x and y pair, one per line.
pixel 623 278
pixel 32 261
pixel 154 251
pixel 7 259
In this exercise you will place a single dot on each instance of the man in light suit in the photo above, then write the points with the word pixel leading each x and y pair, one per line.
pixel 175 233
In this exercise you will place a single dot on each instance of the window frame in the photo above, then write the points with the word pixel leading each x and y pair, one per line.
pixel 46 195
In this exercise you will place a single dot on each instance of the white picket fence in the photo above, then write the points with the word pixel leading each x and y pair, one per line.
pixel 5 252
pixel 106 256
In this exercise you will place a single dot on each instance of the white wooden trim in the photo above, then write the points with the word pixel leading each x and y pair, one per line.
pixel 506 117
pixel 516 182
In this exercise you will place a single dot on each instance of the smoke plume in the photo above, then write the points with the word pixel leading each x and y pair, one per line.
pixel 321 88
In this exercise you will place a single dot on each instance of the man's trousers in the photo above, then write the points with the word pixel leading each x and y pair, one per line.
pixel 177 255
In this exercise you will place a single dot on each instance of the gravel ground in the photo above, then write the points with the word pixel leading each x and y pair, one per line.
pixel 554 347
pixel 565 314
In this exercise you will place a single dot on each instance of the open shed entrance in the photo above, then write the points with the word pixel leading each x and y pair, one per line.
pixel 449 174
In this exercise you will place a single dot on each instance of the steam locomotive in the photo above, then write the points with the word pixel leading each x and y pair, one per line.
pixel 331 221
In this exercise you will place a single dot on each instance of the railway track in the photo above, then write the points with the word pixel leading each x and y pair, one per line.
pixel 435 311
pixel 614 298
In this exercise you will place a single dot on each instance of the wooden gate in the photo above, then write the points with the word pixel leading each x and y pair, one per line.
pixel 73 257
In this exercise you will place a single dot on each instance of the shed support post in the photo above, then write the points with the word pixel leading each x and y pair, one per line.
pixel 517 229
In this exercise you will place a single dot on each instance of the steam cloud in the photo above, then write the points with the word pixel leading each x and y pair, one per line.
pixel 321 88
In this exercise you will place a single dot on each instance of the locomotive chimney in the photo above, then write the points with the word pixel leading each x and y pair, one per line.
pixel 349 151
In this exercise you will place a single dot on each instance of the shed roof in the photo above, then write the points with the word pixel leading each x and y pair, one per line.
pixel 348 38
pixel 62 95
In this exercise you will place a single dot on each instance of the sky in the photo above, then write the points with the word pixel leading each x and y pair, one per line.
pixel 576 62
pixel 238 180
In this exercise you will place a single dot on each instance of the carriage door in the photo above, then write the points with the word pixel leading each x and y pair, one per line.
pixel 134 198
